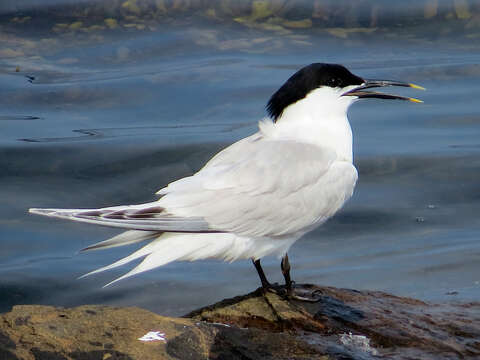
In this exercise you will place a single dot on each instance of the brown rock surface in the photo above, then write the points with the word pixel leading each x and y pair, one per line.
pixel 254 326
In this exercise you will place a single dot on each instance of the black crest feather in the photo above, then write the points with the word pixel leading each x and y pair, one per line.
pixel 307 79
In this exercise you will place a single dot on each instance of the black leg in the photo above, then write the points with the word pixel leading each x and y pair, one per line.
pixel 285 265
pixel 297 293
pixel 265 284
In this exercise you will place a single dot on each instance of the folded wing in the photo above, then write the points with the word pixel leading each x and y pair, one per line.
pixel 258 187
pixel 263 187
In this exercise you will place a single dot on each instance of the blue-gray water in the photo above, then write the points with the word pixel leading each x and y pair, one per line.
pixel 102 106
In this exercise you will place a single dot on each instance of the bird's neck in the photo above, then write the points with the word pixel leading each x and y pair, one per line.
pixel 318 120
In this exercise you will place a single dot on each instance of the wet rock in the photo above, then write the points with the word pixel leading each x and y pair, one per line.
pixel 396 327
pixel 344 324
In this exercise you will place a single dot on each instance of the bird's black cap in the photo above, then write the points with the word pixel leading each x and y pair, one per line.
pixel 307 79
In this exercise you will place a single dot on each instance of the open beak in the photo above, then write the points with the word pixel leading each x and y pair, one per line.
pixel 360 93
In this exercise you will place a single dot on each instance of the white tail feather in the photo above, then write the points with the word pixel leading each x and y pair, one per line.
pixel 169 247
pixel 125 238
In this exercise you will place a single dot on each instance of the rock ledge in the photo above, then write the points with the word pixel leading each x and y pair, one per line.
pixel 345 324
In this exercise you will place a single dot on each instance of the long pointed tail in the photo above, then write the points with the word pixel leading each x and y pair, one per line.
pixel 125 238
pixel 168 247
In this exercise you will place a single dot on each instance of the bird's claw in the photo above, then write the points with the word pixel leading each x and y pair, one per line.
pixel 292 293
pixel 275 288
pixel 302 294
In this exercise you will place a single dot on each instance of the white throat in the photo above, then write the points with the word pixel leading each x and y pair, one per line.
pixel 320 119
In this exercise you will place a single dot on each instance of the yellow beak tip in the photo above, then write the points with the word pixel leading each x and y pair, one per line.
pixel 415 100
pixel 416 86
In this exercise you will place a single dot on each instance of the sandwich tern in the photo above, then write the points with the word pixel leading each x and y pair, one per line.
pixel 259 195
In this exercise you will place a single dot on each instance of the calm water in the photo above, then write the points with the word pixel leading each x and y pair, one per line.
pixel 105 105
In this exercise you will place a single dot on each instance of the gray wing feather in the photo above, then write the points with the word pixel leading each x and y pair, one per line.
pixel 130 217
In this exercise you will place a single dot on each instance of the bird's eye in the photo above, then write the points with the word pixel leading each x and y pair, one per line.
pixel 334 82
